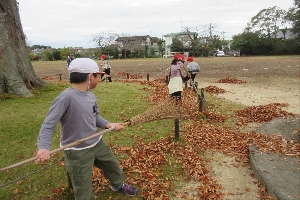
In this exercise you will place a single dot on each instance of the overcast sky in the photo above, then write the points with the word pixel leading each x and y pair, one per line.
pixel 59 23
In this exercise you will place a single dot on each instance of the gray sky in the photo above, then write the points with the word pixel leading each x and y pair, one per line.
pixel 59 23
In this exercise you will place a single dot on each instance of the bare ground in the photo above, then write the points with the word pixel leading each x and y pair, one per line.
pixel 265 91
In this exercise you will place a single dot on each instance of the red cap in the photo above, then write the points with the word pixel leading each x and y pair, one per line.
pixel 190 59
pixel 179 57
pixel 103 56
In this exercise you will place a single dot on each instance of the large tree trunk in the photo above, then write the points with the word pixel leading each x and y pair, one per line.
pixel 16 72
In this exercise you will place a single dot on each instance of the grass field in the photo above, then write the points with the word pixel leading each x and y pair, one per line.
pixel 21 118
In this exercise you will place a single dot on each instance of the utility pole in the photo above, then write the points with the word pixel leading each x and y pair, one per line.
pixel 180 24
pixel 223 40
pixel 210 31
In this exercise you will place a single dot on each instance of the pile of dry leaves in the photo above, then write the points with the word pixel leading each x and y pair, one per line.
pixel 126 75
pixel 231 80
pixel 263 113
pixel 214 117
pixel 214 90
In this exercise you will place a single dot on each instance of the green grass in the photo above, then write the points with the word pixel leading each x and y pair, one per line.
pixel 21 119
pixel 225 108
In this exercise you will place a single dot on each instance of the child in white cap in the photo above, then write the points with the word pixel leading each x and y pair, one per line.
pixel 77 111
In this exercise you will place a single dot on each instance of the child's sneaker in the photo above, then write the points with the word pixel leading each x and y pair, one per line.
pixel 126 189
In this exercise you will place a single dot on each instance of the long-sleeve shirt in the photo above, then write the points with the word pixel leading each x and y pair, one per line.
pixel 175 83
pixel 193 68
pixel 69 60
pixel 78 115
pixel 105 65
pixel 175 69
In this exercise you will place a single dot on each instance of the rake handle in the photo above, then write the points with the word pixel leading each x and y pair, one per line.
pixel 61 148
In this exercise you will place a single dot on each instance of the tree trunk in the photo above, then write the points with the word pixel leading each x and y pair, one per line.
pixel 16 72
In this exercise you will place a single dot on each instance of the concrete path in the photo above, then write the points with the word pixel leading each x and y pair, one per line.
pixel 280 174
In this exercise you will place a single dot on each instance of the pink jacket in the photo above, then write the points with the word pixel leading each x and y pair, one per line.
pixel 175 70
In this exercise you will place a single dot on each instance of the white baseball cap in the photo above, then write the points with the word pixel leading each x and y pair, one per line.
pixel 84 65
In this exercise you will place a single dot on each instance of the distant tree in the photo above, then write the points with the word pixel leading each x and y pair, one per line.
pixel 216 42
pixel 90 53
pixel 160 44
pixel 268 22
pixel 250 43
pixel 16 72
pixel 194 40
pixel 56 54
pixel 152 52
pixel 146 51
pixel 64 53
pixel 47 55
pixel 104 39
pixel 39 47
pixel 204 49
pixel 259 37
pixel 208 30
pixel 137 53
pixel 245 42
pixel 31 56
pixel 291 47
pixel 177 45
pixel 293 15
pixel 112 50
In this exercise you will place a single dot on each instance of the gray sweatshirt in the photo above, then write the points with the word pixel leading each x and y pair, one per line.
pixel 193 68
pixel 78 115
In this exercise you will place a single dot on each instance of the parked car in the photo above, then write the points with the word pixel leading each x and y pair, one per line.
pixel 220 53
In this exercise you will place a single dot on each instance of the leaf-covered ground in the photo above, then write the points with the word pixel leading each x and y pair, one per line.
pixel 144 163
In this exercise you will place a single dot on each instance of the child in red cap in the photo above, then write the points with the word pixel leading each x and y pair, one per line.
pixel 106 67
pixel 175 83
pixel 193 68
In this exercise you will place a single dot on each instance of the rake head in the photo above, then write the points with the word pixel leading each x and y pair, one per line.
pixel 167 109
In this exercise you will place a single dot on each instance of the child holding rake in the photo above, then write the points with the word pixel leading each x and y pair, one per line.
pixel 77 111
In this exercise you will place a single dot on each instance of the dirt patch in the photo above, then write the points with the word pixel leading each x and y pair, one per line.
pixel 237 181
pixel 258 92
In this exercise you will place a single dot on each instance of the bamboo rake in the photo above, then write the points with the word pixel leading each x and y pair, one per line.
pixel 164 110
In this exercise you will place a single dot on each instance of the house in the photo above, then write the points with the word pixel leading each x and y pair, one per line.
pixel 182 36
pixel 137 43
pixel 37 51
pixel 76 49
